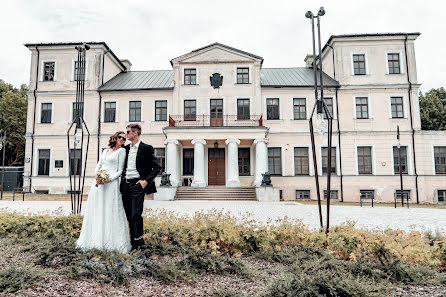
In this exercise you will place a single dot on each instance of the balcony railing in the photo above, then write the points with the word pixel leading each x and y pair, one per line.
pixel 215 121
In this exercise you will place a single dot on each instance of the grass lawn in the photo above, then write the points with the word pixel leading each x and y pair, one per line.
pixel 214 255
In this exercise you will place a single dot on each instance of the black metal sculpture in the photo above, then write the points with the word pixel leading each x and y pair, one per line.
pixel 76 151
pixel 165 180
pixel 266 180
pixel 321 112
pixel 216 80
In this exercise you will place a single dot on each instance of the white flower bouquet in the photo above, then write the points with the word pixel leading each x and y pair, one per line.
pixel 102 175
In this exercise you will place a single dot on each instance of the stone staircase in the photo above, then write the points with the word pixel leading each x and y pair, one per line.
pixel 216 193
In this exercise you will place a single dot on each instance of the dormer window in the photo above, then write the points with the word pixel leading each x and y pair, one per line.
pixel 190 76
pixel 48 68
pixel 359 64
pixel 243 75
pixel 393 60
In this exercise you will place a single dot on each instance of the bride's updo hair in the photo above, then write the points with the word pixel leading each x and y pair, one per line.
pixel 114 138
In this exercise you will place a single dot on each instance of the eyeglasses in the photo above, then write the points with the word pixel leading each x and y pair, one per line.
pixel 128 132
pixel 121 137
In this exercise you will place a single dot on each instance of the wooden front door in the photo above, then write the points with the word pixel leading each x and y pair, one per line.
pixel 216 167
pixel 216 112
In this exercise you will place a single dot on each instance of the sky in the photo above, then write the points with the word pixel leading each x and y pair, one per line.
pixel 149 33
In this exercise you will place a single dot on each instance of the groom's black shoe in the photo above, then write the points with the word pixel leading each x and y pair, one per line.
pixel 137 244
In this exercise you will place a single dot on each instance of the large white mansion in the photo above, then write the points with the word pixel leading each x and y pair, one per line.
pixel 255 121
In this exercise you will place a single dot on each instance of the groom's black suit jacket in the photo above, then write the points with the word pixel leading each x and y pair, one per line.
pixel 146 165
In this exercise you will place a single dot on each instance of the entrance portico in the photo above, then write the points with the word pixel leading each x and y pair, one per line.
pixel 216 155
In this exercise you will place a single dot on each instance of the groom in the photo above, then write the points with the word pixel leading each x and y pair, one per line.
pixel 140 170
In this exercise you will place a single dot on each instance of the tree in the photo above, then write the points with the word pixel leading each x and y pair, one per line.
pixel 13 109
pixel 433 109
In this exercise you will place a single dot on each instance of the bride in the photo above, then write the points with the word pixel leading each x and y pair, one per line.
pixel 105 225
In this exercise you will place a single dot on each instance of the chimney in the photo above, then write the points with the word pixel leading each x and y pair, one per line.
pixel 309 61
pixel 127 64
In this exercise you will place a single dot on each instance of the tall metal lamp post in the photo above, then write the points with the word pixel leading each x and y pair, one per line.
pixel 321 111
pixel 3 146
pixel 76 133
pixel 402 195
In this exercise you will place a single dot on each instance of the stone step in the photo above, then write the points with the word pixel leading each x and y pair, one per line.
pixel 216 193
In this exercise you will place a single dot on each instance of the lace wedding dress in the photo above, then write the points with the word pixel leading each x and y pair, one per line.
pixel 105 225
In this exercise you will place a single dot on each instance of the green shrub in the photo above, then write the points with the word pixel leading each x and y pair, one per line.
pixel 14 278
pixel 201 262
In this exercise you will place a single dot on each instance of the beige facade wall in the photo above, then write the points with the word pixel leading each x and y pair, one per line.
pixel 377 132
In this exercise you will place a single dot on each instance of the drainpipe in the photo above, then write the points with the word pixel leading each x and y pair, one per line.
pixel 100 108
pixel 34 119
pixel 339 130
pixel 409 90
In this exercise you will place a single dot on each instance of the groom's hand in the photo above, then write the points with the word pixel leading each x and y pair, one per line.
pixel 143 183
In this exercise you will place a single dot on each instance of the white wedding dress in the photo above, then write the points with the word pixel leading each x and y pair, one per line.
pixel 105 225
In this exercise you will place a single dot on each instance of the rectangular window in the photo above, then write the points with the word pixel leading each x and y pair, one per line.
pixel 44 162
pixel 274 161
pixel 367 194
pixel 161 110
pixel 396 104
pixel 190 110
pixel 45 117
pixel 329 103
pixel 359 64
pixel 48 71
pixel 334 194
pixel 364 159
pixel 78 110
pixel 299 108
pixel 301 166
pixel 440 159
pixel 109 112
pixel 441 194
pixel 325 160
pixel 190 76
pixel 272 108
pixel 243 109
pixel 78 75
pixel 406 194
pixel 243 161
pixel 135 111
pixel 242 75
pixel 393 61
pixel 188 161
pixel 302 194
pixel 362 108
pixel 160 155
pixel 75 161
pixel 396 160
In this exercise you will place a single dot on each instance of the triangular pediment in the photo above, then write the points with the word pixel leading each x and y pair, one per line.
pixel 217 53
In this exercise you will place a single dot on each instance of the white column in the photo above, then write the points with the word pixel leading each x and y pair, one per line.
pixel 199 176
pixel 233 177
pixel 172 161
pixel 261 160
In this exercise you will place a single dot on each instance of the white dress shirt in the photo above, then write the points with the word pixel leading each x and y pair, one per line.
pixel 131 172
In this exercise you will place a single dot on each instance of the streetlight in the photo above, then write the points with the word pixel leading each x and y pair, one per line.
pixel 3 146
pixel 400 169
pixel 78 127
pixel 323 116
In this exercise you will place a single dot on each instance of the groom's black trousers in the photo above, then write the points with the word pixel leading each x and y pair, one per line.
pixel 133 200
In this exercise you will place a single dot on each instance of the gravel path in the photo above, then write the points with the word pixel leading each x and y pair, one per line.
pixel 379 218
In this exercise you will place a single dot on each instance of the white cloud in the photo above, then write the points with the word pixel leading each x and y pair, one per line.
pixel 151 33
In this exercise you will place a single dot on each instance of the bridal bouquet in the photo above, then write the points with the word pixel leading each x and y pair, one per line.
pixel 102 175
